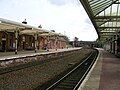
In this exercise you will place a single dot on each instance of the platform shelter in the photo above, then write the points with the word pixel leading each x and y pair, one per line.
pixel 16 36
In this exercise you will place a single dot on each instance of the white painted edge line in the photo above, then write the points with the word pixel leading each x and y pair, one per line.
pixel 88 75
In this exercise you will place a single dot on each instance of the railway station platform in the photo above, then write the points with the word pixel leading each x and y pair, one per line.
pixel 105 73
pixel 11 55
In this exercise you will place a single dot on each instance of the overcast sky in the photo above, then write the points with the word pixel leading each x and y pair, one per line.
pixel 64 16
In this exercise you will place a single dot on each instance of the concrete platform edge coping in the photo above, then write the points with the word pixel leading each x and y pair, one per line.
pixel 89 74
pixel 34 54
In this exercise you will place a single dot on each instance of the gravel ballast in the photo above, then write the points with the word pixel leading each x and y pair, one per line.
pixel 32 77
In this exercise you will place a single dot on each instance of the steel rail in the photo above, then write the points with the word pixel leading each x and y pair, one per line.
pixel 78 84
pixel 57 82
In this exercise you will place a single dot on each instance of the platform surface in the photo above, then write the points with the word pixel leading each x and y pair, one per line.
pixel 11 55
pixel 105 74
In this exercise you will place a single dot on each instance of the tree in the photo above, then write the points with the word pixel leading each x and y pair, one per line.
pixel 75 42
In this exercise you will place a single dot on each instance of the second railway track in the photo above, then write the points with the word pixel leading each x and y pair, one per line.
pixel 74 78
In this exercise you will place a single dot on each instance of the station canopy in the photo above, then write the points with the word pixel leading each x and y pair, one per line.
pixel 105 16
pixel 11 26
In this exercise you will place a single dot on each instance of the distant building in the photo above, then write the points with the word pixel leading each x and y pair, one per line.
pixel 82 43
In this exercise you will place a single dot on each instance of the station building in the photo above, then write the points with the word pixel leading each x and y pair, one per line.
pixel 16 36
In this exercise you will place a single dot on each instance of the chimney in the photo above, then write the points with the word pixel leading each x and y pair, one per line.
pixel 40 26
pixel 24 22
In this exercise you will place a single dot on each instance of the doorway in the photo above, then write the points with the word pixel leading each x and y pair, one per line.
pixel 4 46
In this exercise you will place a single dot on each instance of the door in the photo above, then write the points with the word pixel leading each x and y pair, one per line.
pixel 3 46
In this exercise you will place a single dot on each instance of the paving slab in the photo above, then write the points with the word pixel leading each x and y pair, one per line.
pixel 105 74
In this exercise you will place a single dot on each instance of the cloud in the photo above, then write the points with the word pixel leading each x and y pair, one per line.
pixel 63 2
pixel 59 15
pixel 57 2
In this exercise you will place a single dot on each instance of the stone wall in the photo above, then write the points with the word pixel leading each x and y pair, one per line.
pixel 39 57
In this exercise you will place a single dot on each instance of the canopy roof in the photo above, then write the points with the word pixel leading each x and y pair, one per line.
pixel 105 16
pixel 53 34
pixel 11 26
pixel 7 25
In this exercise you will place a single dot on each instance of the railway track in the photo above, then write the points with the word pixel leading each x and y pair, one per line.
pixel 73 79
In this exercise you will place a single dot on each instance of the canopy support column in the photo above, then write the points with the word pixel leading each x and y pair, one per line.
pixel 48 42
pixel 56 42
pixel 116 37
pixel 16 40
pixel 36 41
